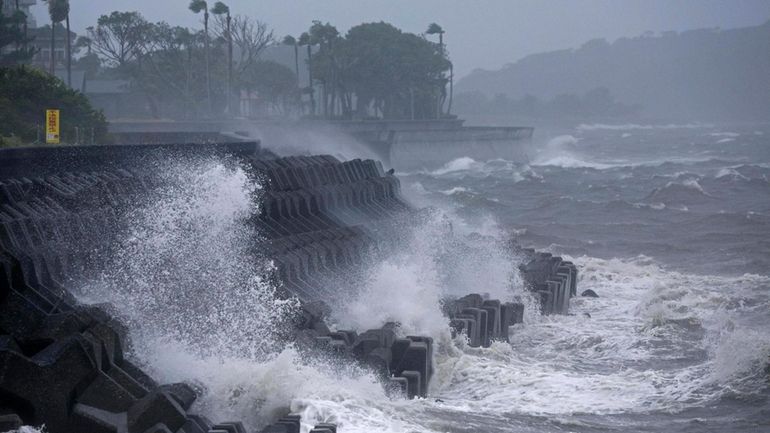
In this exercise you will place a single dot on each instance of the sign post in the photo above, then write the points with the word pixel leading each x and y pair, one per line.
pixel 52 127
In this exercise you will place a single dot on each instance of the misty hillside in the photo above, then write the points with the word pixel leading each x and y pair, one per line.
pixel 703 74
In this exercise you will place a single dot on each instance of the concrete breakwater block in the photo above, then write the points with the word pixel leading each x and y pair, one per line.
pixel 292 424
pixel 405 365
pixel 553 279
pixel 482 320
pixel 62 364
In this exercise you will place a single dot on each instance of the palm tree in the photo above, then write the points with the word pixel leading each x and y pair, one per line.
pixel 435 29
pixel 69 48
pixel 220 9
pixel 290 40
pixel 196 6
pixel 25 24
pixel 304 39
pixel 58 11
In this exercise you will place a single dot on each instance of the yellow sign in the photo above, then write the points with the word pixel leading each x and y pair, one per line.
pixel 52 126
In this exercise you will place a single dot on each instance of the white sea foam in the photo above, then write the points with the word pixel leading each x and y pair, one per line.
pixel 186 267
pixel 693 183
pixel 729 172
pixel 460 164
pixel 566 161
pixel 616 360
pixel 725 134
pixel 725 140
pixel 455 190
pixel 438 259
pixel 635 126
pixel 560 152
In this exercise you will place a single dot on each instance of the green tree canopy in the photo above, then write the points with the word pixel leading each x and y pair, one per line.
pixel 197 5
pixel 385 71
pixel 220 8
pixel 274 82
pixel 119 37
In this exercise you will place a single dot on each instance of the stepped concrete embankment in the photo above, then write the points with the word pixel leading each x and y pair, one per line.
pixel 65 364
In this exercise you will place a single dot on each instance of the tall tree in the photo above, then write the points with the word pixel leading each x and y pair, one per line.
pixel 57 11
pixel 326 36
pixel 69 47
pixel 197 6
pixel 292 41
pixel 250 38
pixel 119 37
pixel 390 70
pixel 275 84
pixel 304 39
pixel 435 29
pixel 11 34
pixel 218 10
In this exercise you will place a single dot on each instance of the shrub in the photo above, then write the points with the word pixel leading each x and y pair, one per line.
pixel 25 94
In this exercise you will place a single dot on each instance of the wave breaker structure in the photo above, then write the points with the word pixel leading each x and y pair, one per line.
pixel 63 364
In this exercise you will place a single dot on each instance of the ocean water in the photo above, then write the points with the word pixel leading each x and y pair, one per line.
pixel 669 224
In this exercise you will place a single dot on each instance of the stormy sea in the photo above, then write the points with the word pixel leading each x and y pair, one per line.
pixel 668 224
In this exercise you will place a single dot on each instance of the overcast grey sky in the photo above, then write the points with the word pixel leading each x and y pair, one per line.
pixel 479 33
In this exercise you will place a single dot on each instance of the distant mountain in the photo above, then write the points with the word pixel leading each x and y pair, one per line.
pixel 707 74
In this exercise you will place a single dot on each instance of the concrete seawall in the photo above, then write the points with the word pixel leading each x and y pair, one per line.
pixel 402 144
pixel 62 363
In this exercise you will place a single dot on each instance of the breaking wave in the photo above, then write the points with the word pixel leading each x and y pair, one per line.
pixel 635 126
pixel 460 164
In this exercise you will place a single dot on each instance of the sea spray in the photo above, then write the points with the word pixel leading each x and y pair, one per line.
pixel 187 276
pixel 186 268
pixel 439 258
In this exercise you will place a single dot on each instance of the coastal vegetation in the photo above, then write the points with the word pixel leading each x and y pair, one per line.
pixel 25 94
pixel 156 69
pixel 378 70
pixel 14 41
pixel 374 70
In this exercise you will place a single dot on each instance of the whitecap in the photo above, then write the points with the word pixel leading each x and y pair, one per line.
pixel 729 172
pixel 635 126
pixel 460 164
pixel 455 190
